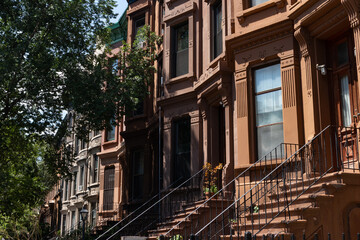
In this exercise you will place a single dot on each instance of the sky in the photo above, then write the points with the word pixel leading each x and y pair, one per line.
pixel 121 6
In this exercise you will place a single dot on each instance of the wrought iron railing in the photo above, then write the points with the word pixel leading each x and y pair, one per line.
pixel 266 193
pixel 157 209
pixel 220 201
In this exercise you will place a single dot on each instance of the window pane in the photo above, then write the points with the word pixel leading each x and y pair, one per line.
pixel 110 136
pixel 138 176
pixel 217 30
pixel 345 101
pixel 268 138
pixel 342 54
pixel 181 50
pixel 267 78
pixel 256 2
pixel 269 108
pixel 182 140
pixel 269 116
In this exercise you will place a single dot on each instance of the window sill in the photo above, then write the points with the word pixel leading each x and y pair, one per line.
pixel 179 78
pixel 214 62
pixel 133 118
pixel 258 8
pixel 109 142
pixel 95 184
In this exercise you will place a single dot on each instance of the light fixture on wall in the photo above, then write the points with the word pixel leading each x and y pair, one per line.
pixel 322 69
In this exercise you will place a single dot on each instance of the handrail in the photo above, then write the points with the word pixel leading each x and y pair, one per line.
pixel 136 210
pixel 175 189
pixel 153 205
pixel 227 185
pixel 316 153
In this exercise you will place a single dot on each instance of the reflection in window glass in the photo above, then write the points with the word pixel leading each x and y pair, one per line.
pixel 342 54
pixel 345 101
pixel 253 3
pixel 181 50
pixel 138 174
pixel 217 28
pixel 268 104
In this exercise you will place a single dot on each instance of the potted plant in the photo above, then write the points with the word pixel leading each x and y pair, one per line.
pixel 210 179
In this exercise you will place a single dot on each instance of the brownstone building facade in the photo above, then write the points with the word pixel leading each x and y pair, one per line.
pixel 269 89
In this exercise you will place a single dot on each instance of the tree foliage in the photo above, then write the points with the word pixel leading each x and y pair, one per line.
pixel 54 57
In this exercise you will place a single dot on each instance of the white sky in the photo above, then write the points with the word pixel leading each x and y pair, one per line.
pixel 121 6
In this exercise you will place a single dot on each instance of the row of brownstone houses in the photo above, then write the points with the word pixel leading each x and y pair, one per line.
pixel 268 89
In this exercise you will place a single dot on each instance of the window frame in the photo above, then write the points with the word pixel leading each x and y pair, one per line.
pixel 173 49
pixel 135 164
pixel 175 152
pixel 95 175
pixel 263 92
pixel 214 54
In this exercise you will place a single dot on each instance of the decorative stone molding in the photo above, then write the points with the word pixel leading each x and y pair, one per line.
pixel 138 7
pixel 241 96
pixel 353 11
pixel 261 7
pixel 206 75
pixel 303 38
pixel 182 9
pixel 203 106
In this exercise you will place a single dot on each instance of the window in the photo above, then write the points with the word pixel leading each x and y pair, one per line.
pixel 66 190
pixel 83 144
pixel 140 22
pixel 73 216
pixel 181 146
pixel 81 181
pixel 139 108
pixel 95 167
pixel 77 145
pixel 109 179
pixel 180 50
pixel 253 3
pixel 115 66
pixel 138 174
pixel 64 224
pixel 75 183
pixel 268 104
pixel 160 79
pixel 110 133
pixel 217 29
pixel 93 214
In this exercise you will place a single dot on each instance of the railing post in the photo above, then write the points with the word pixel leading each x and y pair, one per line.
pixel 248 236
pixel 316 237
pixel 329 236
pixel 192 237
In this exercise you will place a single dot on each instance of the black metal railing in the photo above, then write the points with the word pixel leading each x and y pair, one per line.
pixel 223 199
pixel 314 236
pixel 265 194
pixel 157 209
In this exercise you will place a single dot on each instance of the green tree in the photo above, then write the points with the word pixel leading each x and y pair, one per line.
pixel 54 57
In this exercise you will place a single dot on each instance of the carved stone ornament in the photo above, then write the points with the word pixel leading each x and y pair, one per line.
pixel 177 11
pixel 303 38
pixel 352 9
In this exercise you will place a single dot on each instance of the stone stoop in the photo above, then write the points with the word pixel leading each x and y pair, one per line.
pixel 198 218
pixel 308 213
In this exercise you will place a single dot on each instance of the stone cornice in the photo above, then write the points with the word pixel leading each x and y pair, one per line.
pixel 180 10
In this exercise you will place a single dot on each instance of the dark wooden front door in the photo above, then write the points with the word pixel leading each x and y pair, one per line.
pixel 345 95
